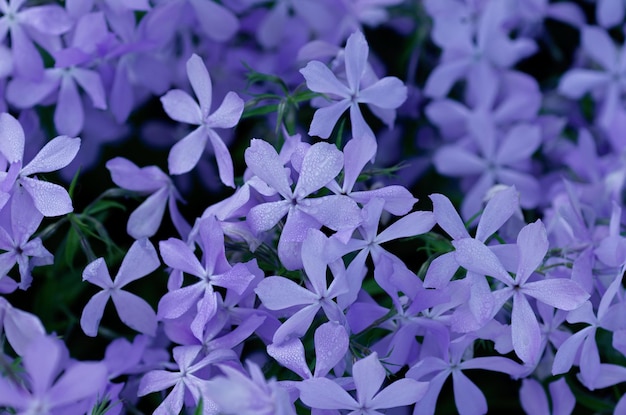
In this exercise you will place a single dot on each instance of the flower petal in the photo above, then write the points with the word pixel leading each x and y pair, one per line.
pixel 135 312
pixel 185 154
pixel 181 107
pixel 200 82
pixel 56 154
pixel 92 313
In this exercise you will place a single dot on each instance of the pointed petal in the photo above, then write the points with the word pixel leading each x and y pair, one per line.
pixel 200 82
pixel 325 118
pixel 322 393
pixel 175 303
pixel 468 397
pixel 356 154
pixel 263 160
pixel 566 354
pixel 296 325
pixel 413 224
pixel 178 255
pixel 181 107
pixel 597 43
pixel 532 242
pixel 447 217
pixel 50 199
pixel 140 260
pixel 135 312
pixel 11 138
pixel 389 92
pixel 319 78
pixel 519 144
pixel 80 381
pixel 278 293
pixel 321 164
pixel 441 270
pixel 223 158
pixel 525 330
pixel 474 256
pixel 355 52
pixel 443 77
pixel 56 154
pixel 219 23
pixel 456 161
pixel 400 393
pixel 338 212
pixel 144 222
pixel 92 313
pixel 369 375
pixel 186 153
pixel 498 210
pixel 69 115
pixel 97 273
pixel 91 83
pixel 577 82
pixel 290 354
pixel 331 345
pixel 229 112
pixel 42 361
pixel 263 217
pixel 558 293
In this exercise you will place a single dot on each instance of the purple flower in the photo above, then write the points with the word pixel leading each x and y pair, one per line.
pixel 386 93
pixel 180 106
pixel 237 394
pixel 134 311
pixel 280 293
pixel 146 219
pixel 214 270
pixel 49 20
pixel 54 383
pixel 369 375
pixel 321 164
pixel 50 199
pixel 606 84
pixel 185 380
pixel 468 397
pixel 564 294
pixel 15 238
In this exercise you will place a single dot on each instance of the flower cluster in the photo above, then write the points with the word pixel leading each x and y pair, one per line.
pixel 349 230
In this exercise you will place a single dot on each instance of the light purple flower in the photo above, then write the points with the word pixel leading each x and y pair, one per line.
pixel 134 311
pixel 146 219
pixel 564 294
pixel 180 106
pixel 50 199
pixel 214 270
pixel 321 163
pixel 386 93
pixel 369 375
pixel 15 238
pixel 189 361
pixel 54 384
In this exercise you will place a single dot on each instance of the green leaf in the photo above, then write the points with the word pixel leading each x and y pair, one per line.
pixel 103 205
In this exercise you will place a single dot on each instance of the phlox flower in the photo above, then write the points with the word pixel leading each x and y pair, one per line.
pixel 234 393
pixel 280 293
pixel 606 83
pixel 15 238
pixel 22 23
pixel 564 294
pixel 49 199
pixel 19 327
pixel 134 311
pixel 369 375
pixel 534 400
pixel 54 383
pixel 386 93
pixel 146 219
pixel 180 106
pixel 469 399
pixel 189 361
pixel 214 270
pixel 321 163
